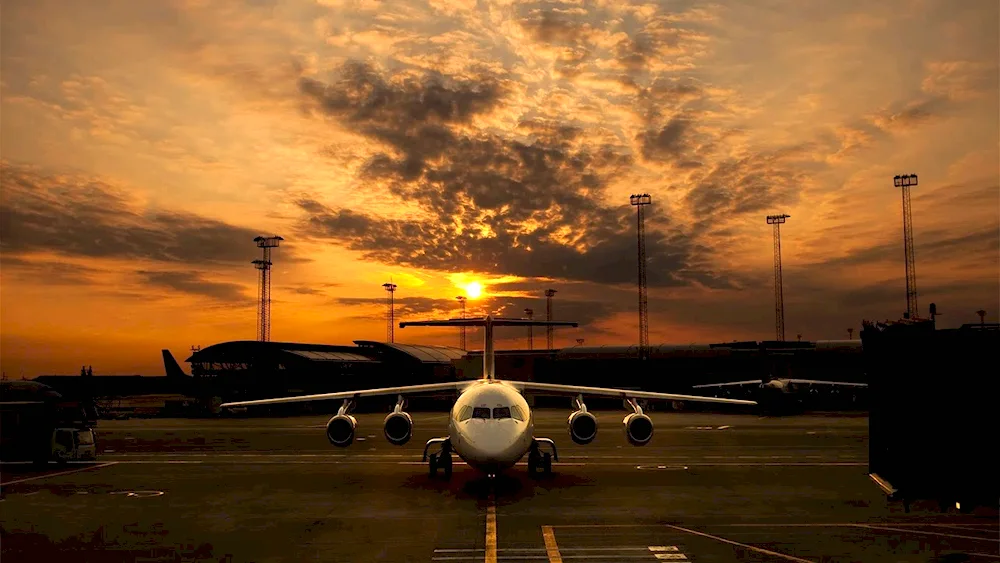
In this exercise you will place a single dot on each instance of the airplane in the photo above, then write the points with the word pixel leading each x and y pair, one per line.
pixel 490 426
pixel 780 394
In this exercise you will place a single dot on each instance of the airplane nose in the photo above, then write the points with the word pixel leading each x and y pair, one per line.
pixel 497 439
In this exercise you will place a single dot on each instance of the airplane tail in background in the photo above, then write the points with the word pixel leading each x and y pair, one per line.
pixel 173 369
pixel 488 322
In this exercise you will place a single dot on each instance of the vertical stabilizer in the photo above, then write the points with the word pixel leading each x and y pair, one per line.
pixel 171 366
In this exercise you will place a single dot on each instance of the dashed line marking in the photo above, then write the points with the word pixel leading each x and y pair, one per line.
pixel 491 530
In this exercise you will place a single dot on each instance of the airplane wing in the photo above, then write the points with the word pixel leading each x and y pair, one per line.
pixel 834 383
pixel 404 390
pixel 569 390
pixel 729 384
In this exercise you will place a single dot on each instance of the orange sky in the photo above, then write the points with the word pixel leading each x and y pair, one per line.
pixel 145 144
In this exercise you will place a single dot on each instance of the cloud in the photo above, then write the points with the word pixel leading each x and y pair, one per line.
pixel 53 272
pixel 903 116
pixel 87 217
pixel 960 80
pixel 530 208
pixel 194 283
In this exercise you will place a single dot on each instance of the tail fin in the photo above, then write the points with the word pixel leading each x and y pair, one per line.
pixel 488 322
pixel 173 369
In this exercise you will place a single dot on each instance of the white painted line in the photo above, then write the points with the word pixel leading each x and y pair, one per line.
pixel 670 556
pixel 57 474
pixel 663 548
pixel 723 427
pixel 551 547
pixel 491 530
pixel 924 532
pixel 747 546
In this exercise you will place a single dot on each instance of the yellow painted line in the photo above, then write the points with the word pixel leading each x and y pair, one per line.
pixel 58 473
pixel 744 545
pixel 551 547
pixel 923 532
pixel 491 530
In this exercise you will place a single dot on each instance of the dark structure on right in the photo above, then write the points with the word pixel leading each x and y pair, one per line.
pixel 932 411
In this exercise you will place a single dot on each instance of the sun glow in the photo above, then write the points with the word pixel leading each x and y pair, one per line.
pixel 473 290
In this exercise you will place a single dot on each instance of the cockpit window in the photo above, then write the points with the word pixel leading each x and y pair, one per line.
pixel 480 412
pixel 465 414
pixel 501 412
pixel 515 411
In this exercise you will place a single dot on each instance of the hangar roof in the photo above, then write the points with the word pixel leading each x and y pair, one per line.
pixel 244 350
pixel 422 353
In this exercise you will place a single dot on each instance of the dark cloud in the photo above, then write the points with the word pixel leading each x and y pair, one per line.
pixel 530 208
pixel 911 114
pixel 85 217
pixel 47 271
pixel 564 26
pixel 928 246
pixel 195 284
pixel 667 143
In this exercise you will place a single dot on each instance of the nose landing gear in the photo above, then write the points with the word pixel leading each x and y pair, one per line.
pixel 440 459
pixel 539 460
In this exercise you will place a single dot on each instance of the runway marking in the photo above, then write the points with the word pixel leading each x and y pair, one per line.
pixel 870 527
pixel 963 527
pixel 670 556
pixel 57 474
pixel 663 548
pixel 551 547
pixel 744 545
pixel 491 530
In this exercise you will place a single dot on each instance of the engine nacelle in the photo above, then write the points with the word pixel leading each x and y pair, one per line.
pixel 638 429
pixel 340 430
pixel 582 427
pixel 398 428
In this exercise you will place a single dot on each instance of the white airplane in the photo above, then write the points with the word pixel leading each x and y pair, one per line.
pixel 490 427
pixel 780 393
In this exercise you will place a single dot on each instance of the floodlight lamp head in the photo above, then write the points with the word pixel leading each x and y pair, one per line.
pixel 897 181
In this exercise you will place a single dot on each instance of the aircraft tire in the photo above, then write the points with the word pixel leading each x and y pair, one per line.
pixel 547 463
pixel 432 464
pixel 446 466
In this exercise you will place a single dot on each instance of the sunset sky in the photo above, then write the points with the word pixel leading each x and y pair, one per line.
pixel 146 143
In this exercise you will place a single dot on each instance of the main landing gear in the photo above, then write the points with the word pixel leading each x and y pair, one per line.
pixel 440 459
pixel 539 460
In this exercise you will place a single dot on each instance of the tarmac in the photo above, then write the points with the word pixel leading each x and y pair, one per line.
pixel 708 488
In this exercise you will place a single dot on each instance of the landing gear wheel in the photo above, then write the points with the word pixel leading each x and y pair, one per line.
pixel 446 465
pixel 547 463
pixel 432 464
pixel 534 461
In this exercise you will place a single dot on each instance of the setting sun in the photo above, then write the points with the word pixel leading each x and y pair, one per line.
pixel 473 290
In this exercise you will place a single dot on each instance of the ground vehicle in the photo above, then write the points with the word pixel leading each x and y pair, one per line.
pixel 73 444
pixel 37 424
pixel 932 412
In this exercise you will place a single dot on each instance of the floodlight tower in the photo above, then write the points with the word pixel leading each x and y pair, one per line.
pixel 982 317
pixel 390 290
pixel 905 181
pixel 548 316
pixel 640 201
pixel 461 299
pixel 779 295
pixel 529 313
pixel 264 286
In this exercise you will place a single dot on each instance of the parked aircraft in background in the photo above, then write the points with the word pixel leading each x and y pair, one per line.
pixel 780 395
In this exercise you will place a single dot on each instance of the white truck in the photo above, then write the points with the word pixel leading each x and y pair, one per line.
pixel 73 444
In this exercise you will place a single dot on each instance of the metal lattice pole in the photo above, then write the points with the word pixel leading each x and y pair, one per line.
pixel 530 313
pixel 640 201
pixel 461 299
pixel 905 181
pixel 548 316
pixel 779 292
pixel 264 286
pixel 390 314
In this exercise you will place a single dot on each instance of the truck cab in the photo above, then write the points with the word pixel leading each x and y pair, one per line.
pixel 73 444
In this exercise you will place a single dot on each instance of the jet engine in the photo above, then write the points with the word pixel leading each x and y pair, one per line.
pixel 582 427
pixel 398 428
pixel 340 430
pixel 638 429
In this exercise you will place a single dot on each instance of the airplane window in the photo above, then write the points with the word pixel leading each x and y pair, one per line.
pixel 501 412
pixel 480 412
pixel 515 412
pixel 466 413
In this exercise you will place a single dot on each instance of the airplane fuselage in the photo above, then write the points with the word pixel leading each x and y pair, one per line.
pixel 490 427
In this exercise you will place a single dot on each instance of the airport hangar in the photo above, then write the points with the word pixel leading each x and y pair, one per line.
pixel 251 369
